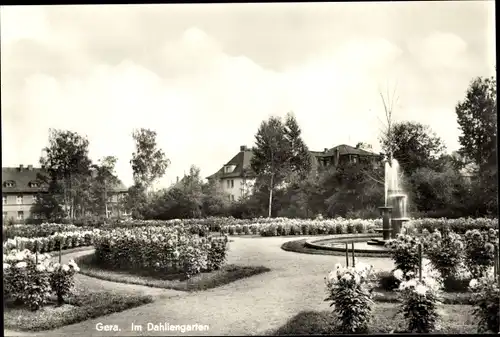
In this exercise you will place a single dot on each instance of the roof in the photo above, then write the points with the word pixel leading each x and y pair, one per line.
pixel 23 178
pixel 243 158
pixel 347 150
pixel 241 161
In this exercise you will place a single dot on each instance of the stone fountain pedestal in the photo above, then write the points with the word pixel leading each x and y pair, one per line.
pixel 386 227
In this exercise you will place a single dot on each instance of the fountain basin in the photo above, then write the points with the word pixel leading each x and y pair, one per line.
pixel 361 245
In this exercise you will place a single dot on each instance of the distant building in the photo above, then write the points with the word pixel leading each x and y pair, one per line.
pixel 20 187
pixel 237 178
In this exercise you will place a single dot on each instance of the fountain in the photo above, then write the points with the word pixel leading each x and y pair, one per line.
pixel 394 210
pixel 393 217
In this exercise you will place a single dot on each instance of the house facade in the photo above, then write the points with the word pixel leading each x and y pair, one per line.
pixel 20 187
pixel 237 179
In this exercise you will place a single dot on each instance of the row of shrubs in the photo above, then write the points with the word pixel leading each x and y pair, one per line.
pixel 35 231
pixel 168 250
pixel 304 227
pixel 61 240
pixel 32 279
pixel 283 226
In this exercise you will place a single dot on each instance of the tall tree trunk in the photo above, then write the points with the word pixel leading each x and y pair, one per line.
pixel 271 187
pixel 106 201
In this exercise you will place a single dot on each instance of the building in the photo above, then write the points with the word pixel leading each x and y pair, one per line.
pixel 20 187
pixel 343 154
pixel 237 178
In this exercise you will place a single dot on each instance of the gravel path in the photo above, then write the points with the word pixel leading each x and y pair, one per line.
pixel 246 307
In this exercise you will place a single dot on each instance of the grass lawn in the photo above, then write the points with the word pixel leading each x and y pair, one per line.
pixel 202 281
pixel 83 304
pixel 456 319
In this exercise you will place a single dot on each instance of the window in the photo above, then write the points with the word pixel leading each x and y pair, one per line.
pixel 34 184
pixel 9 183
pixel 4 200
pixel 232 183
pixel 228 183
pixel 232 197
pixel 35 198
pixel 20 215
pixel 19 199
pixel 35 216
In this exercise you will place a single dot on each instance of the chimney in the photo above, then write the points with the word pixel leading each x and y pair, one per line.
pixel 177 179
pixel 326 150
pixel 30 167
pixel 21 168
pixel 243 148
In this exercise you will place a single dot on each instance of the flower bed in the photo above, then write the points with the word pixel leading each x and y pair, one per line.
pixel 285 226
pixel 160 249
pixel 30 279
pixel 36 231
pixel 51 243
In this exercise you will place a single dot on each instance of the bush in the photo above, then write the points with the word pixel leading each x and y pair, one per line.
pixel 486 302
pixel 420 299
pixel 350 291
pixel 445 251
pixel 480 250
pixel 404 252
pixel 30 279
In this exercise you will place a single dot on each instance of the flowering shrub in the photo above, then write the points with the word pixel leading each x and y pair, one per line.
pixel 404 252
pixel 445 251
pixel 459 226
pixel 350 291
pixel 28 278
pixel 420 298
pixel 486 299
pixel 51 242
pixel 62 279
pixel 35 231
pixel 160 249
pixel 480 250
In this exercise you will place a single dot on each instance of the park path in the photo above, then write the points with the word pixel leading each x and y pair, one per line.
pixel 246 307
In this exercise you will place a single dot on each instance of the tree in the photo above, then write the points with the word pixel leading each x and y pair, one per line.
pixel 148 162
pixel 215 200
pixel 477 119
pixel 414 145
pixel 300 157
pixel 105 179
pixel 66 162
pixel 279 151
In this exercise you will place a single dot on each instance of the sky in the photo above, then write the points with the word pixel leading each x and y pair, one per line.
pixel 204 76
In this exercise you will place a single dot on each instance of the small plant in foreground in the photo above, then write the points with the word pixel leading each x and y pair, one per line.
pixel 486 302
pixel 350 291
pixel 420 299
pixel 62 279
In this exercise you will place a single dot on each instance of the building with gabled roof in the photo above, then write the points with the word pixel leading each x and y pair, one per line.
pixel 20 187
pixel 237 177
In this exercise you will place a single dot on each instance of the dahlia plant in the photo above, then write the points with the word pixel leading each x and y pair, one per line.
pixel 404 252
pixel 445 251
pixel 420 298
pixel 486 299
pixel 350 291
pixel 480 250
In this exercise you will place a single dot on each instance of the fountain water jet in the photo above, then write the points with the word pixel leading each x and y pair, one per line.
pixel 395 202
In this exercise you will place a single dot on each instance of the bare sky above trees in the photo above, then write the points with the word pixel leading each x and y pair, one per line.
pixel 205 76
